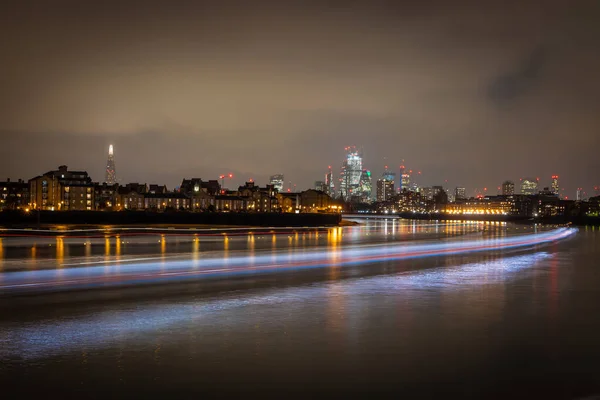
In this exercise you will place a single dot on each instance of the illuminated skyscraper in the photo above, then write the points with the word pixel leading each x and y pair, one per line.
pixel 385 189
pixel 388 175
pixel 111 172
pixel 351 173
pixel 508 188
pixel 365 188
pixel 460 193
pixel 320 185
pixel 529 186
pixel 554 188
pixel 579 196
pixel 329 184
pixel 277 181
pixel 403 179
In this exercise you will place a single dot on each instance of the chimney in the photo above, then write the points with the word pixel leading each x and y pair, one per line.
pixel 62 168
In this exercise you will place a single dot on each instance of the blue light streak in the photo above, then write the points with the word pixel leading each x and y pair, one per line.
pixel 164 270
pixel 138 323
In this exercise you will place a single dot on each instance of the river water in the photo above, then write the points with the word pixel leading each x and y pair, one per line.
pixel 519 323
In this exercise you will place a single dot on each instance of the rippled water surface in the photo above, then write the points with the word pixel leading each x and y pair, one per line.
pixel 513 323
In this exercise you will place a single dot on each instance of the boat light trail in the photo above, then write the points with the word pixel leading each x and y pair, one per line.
pixel 124 273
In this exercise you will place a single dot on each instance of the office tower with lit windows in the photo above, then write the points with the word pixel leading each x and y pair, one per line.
pixel 277 181
pixel 388 175
pixel 508 188
pixel 529 186
pixel 320 186
pixel 554 188
pixel 450 195
pixel 579 195
pixel 111 171
pixel 427 193
pixel 404 179
pixel 365 188
pixel 350 176
pixel 329 184
pixel 385 189
pixel 460 193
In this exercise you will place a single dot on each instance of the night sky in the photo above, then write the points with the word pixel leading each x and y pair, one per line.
pixel 472 92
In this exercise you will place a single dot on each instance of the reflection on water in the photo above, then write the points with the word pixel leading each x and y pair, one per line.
pixel 60 250
pixel 480 321
pixel 118 246
pixel 98 330
pixel 106 246
pixel 196 248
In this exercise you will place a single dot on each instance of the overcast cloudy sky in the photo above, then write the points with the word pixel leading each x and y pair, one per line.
pixel 472 92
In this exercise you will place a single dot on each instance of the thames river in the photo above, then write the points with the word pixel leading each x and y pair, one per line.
pixel 388 308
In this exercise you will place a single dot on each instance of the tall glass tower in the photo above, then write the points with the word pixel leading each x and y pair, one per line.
pixel 555 188
pixel 351 173
pixel 111 172
pixel 277 182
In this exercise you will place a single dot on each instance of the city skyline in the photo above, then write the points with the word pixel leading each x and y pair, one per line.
pixel 526 185
pixel 213 88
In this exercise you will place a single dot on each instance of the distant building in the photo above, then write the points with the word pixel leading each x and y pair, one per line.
pixel 230 203
pixel 579 195
pixel 105 196
pixel 508 188
pixel 554 187
pixel 329 183
pixel 259 199
pixel 201 193
pixel 350 176
pixel 460 193
pixel 547 192
pixel 450 195
pixel 315 201
pixel 404 180
pixel 401 185
pixel 365 188
pixel 165 201
pixel 137 187
pixel 388 175
pixel 277 181
pixel 128 198
pixel 14 195
pixel 157 189
pixel 498 205
pixel 191 186
pixel 427 193
pixel 321 186
pixel 385 189
pixel 111 170
pixel 289 202
pixel 529 186
pixel 62 190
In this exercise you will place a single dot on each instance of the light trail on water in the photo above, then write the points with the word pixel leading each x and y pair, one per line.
pixel 144 272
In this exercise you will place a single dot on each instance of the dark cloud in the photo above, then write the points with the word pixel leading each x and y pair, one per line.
pixel 511 85
pixel 470 92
